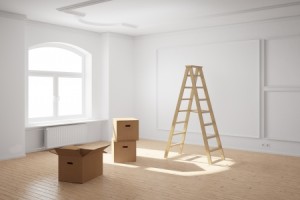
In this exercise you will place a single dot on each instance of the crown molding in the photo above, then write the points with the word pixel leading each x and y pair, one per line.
pixel 251 10
pixel 12 15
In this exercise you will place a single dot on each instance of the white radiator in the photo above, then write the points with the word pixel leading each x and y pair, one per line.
pixel 59 136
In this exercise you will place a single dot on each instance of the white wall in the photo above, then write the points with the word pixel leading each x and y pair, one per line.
pixel 125 80
pixel 146 62
pixel 12 77
pixel 94 43
pixel 112 74
pixel 121 76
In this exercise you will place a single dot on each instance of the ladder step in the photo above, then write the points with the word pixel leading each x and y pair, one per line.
pixel 189 87
pixel 184 110
pixel 205 111
pixel 180 122
pixel 202 99
pixel 179 133
pixel 186 99
pixel 194 111
pixel 176 144
pixel 214 149
pixel 208 124
pixel 211 136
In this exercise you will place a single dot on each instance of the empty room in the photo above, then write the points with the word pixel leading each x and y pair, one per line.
pixel 150 99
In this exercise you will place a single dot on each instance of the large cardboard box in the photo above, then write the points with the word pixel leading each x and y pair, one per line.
pixel 124 151
pixel 126 129
pixel 78 164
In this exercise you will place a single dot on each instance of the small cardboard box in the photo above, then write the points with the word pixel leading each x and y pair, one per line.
pixel 78 164
pixel 124 151
pixel 126 129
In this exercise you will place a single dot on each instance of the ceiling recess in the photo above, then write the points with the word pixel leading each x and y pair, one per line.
pixel 80 15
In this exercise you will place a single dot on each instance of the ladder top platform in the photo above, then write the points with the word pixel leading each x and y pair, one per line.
pixel 193 66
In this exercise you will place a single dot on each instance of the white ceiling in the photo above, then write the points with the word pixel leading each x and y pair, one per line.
pixel 139 17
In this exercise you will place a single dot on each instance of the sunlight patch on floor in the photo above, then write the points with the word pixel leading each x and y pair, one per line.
pixel 176 164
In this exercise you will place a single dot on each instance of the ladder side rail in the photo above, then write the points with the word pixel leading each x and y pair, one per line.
pixel 200 116
pixel 176 113
pixel 216 132
pixel 187 116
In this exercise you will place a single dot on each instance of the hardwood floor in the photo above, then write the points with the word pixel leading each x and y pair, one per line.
pixel 242 176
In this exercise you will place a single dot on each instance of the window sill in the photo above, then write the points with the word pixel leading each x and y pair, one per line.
pixel 62 122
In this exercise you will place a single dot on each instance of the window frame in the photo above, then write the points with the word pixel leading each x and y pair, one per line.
pixel 56 75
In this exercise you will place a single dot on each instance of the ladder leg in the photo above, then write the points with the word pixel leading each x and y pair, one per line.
pixel 176 114
pixel 200 116
pixel 187 117
pixel 211 113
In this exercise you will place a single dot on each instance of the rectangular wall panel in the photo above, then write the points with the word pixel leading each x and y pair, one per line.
pixel 282 115
pixel 232 74
pixel 283 61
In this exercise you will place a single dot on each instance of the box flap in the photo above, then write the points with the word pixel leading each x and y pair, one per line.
pixel 68 151
pixel 87 150
pixel 125 119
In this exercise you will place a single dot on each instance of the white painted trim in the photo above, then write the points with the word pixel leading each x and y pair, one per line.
pixel 261 89
pixel 282 139
pixel 12 15
pixel 273 19
pixel 251 10
pixel 41 125
pixel 106 24
pixel 281 89
pixel 281 37
pixel 81 5
pixel 55 75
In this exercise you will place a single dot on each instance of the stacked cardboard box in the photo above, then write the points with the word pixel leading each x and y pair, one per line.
pixel 126 133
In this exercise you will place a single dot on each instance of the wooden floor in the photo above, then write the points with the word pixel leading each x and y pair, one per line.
pixel 242 176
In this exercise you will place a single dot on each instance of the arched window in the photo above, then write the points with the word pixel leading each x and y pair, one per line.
pixel 57 81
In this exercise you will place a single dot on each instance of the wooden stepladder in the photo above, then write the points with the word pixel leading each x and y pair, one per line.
pixel 203 109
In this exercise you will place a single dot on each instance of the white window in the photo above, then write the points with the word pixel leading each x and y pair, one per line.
pixel 57 83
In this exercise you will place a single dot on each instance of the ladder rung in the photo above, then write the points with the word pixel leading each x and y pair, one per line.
pixel 214 149
pixel 180 122
pixel 189 87
pixel 176 144
pixel 205 111
pixel 184 110
pixel 194 75
pixel 211 136
pixel 202 99
pixel 208 124
pixel 186 99
pixel 178 133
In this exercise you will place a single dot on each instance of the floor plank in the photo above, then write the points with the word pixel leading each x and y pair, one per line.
pixel 242 176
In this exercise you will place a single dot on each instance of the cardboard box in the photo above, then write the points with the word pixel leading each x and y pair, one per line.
pixel 124 151
pixel 126 129
pixel 78 164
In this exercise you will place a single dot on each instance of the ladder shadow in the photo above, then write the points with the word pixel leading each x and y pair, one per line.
pixel 170 165
pixel 201 159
